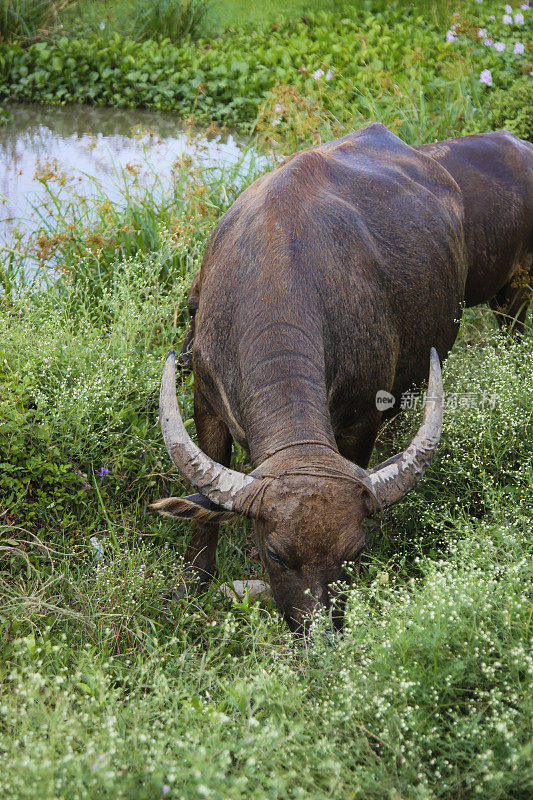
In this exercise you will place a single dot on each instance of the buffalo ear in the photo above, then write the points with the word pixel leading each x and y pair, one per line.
pixel 194 507
pixel 371 504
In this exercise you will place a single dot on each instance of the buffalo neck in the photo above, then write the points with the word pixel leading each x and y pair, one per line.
pixel 283 395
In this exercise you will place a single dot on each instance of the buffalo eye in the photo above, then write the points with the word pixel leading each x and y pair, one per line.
pixel 275 557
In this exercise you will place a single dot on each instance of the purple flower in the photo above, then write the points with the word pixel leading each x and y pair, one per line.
pixel 329 75
pixel 518 48
pixel 103 472
pixel 499 46
pixel 519 18
pixel 317 74
pixel 451 36
pixel 509 9
pixel 507 19
pixel 486 77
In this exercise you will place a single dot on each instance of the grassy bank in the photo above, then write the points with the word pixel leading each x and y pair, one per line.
pixel 109 687
pixel 393 65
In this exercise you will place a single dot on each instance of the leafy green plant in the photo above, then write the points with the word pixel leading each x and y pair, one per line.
pixel 396 68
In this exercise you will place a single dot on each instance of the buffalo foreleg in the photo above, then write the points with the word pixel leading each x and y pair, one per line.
pixel 511 303
pixel 214 439
pixel 357 441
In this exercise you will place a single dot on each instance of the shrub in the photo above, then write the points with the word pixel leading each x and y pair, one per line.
pixel 168 19
pixel 512 108
pixel 38 482
pixel 486 450
pixel 28 20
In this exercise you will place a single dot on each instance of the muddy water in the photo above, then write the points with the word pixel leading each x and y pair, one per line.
pixel 74 149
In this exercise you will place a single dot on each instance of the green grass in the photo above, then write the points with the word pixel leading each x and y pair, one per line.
pixel 140 19
pixel 27 20
pixel 110 688
pixel 221 15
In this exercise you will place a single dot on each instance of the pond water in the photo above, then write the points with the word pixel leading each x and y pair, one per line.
pixel 81 150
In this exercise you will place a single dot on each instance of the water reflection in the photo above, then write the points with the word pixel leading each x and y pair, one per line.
pixel 72 146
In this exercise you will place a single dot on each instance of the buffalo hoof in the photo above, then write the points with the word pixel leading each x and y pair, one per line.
pixel 238 589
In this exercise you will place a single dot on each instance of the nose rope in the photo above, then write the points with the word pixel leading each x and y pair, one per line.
pixel 270 453
pixel 324 471
pixel 257 493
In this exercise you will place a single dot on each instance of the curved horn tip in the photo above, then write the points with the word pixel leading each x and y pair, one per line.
pixel 435 386
pixel 170 359
pixel 434 360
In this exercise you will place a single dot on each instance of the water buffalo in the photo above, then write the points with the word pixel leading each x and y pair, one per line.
pixel 329 279
pixel 495 174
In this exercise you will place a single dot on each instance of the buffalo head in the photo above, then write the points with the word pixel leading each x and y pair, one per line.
pixel 307 517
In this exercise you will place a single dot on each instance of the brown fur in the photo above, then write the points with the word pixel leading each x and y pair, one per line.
pixel 495 174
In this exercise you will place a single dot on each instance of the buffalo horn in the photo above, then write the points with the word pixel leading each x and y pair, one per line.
pixel 393 479
pixel 223 486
